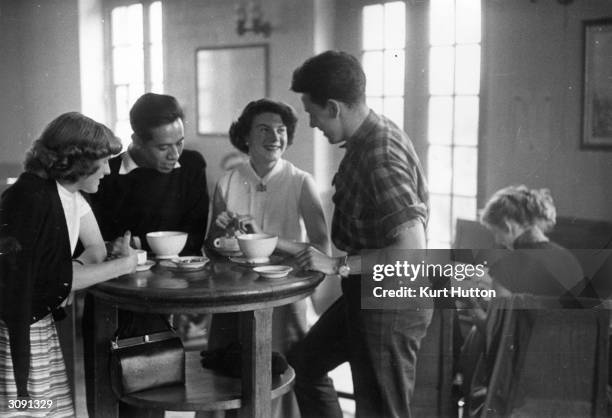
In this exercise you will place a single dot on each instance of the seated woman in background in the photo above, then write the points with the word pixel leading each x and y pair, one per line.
pixel 270 195
pixel 519 219
pixel 42 216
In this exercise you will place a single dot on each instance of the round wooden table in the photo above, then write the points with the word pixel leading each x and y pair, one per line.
pixel 222 286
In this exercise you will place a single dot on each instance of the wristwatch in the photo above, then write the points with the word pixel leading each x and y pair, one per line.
pixel 343 269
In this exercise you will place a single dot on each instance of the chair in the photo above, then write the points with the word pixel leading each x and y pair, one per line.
pixel 549 362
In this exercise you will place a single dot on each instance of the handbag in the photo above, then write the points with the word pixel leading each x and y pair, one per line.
pixel 146 362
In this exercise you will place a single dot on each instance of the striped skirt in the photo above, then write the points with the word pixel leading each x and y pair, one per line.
pixel 48 386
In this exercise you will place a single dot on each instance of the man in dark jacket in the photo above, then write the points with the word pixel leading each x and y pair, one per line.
pixel 155 185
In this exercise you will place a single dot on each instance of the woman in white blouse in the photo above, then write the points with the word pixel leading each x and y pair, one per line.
pixel 273 196
pixel 267 191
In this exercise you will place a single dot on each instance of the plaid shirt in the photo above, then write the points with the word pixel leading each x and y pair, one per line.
pixel 380 187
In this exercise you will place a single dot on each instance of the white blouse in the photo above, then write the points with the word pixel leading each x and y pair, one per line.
pixel 273 201
pixel 75 206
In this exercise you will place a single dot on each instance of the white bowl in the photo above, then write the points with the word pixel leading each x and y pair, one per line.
pixel 167 244
pixel 257 246
pixel 273 272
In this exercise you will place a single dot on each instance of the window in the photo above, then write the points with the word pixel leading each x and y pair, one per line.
pixel 454 88
pixel 383 50
pixel 136 58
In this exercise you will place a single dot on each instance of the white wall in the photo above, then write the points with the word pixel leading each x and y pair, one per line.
pixel 532 97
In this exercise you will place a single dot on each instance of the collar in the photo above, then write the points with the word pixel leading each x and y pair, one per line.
pixel 128 164
pixel 363 132
pixel 250 171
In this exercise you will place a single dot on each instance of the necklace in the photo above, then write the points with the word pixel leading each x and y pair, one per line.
pixel 261 187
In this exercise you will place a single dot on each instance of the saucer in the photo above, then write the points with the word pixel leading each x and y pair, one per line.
pixel 190 262
pixel 166 257
pixel 185 264
pixel 273 272
pixel 146 266
pixel 250 261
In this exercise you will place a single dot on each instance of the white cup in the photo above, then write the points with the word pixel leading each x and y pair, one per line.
pixel 142 256
pixel 226 243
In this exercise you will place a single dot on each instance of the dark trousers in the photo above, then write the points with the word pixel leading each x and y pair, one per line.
pixel 381 347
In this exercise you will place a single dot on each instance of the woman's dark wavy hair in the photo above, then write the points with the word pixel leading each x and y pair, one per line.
pixel 69 146
pixel 527 207
pixel 240 129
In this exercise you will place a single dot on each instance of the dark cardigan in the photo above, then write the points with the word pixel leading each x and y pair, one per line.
pixel 35 264
pixel 146 200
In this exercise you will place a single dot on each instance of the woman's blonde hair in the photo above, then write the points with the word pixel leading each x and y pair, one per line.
pixel 527 207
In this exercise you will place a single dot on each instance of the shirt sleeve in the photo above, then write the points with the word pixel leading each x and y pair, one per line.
pixel 395 184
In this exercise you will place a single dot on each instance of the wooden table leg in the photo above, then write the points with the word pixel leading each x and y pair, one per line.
pixel 256 338
pixel 105 324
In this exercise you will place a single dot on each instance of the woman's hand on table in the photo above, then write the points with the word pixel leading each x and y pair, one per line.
pixel 125 251
pixel 312 259
pixel 225 219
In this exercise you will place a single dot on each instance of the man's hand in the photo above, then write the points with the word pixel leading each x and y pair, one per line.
pixel 118 246
pixel 313 259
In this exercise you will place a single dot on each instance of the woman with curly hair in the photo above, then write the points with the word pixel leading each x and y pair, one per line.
pixel 519 218
pixel 42 216
pixel 271 195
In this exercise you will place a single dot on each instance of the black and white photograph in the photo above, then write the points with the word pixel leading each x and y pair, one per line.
pixel 305 208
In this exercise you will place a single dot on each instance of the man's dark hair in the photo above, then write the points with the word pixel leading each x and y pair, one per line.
pixel 331 75
pixel 240 129
pixel 152 111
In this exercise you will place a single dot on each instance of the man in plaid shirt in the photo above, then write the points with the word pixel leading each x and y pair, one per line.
pixel 381 203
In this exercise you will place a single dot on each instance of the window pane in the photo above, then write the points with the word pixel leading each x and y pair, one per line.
pixel 393 108
pixel 155 22
pixel 157 64
pixel 134 25
pixel 465 168
pixel 373 68
pixel 119 21
pixel 468 69
pixel 373 26
pixel 464 208
pixel 440 124
pixel 136 90
pixel 439 220
pixel 157 88
pixel 441 70
pixel 376 104
pixel 122 100
pixel 128 65
pixel 442 22
pixel 395 25
pixel 394 73
pixel 466 120
pixel 468 21
pixel 439 169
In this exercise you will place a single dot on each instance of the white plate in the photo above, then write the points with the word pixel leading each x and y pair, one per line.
pixel 250 261
pixel 273 272
pixel 146 266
